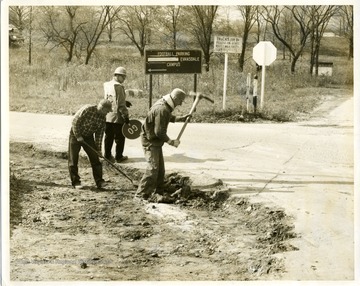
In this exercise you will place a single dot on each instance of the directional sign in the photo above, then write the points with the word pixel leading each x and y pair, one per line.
pixel 172 61
pixel 227 44
pixel 264 53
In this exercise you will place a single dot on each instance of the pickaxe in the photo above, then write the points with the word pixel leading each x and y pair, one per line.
pixel 198 96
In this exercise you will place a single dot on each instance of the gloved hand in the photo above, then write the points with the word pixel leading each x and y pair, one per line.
pixel 127 120
pixel 174 143
pixel 80 139
pixel 184 117
pixel 128 103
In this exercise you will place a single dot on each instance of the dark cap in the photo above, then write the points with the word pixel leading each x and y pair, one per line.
pixel 106 104
pixel 178 93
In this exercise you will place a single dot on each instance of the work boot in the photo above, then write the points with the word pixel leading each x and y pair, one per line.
pixel 142 195
pixel 102 185
pixel 111 159
pixel 78 186
pixel 121 159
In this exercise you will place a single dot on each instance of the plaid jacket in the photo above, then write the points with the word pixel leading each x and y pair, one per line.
pixel 88 121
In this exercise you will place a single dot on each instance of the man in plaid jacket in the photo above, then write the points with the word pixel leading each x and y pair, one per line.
pixel 87 131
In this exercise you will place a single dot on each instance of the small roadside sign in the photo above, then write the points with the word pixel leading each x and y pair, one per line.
pixel 132 130
pixel 172 61
pixel 223 44
pixel 226 45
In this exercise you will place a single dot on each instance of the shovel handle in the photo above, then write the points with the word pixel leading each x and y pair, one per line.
pixel 112 165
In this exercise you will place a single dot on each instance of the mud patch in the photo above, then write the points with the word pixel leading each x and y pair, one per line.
pixel 59 233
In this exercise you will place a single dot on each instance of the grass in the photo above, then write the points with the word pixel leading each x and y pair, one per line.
pixel 50 85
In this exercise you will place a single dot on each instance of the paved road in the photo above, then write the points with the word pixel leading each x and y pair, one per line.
pixel 305 167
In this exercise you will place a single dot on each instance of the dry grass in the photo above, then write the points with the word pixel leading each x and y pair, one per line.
pixel 50 85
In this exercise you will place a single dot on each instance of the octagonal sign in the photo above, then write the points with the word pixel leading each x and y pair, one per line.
pixel 264 53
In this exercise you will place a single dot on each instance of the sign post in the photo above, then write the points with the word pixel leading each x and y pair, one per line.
pixel 264 53
pixel 248 85
pixel 172 62
pixel 226 45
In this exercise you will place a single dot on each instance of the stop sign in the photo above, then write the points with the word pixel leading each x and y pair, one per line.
pixel 264 53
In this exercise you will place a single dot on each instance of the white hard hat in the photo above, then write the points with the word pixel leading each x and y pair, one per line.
pixel 120 70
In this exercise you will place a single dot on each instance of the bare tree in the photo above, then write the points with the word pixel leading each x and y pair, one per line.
pixel 259 23
pixel 274 16
pixel 30 27
pixel 111 12
pixel 62 29
pixel 348 15
pixel 98 19
pixel 225 25
pixel 249 16
pixel 135 23
pixel 18 16
pixel 201 27
pixel 289 27
pixel 169 19
pixel 320 16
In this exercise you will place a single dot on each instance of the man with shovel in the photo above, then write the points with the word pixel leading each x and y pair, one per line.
pixel 87 131
pixel 153 136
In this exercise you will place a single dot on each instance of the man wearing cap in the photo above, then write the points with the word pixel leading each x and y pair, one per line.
pixel 87 130
pixel 115 92
pixel 153 136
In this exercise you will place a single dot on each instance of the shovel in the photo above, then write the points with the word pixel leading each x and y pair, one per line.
pixel 111 164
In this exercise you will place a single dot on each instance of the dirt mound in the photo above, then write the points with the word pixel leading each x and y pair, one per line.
pixel 59 233
pixel 178 190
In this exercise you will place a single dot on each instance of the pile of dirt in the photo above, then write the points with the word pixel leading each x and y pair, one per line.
pixel 178 190
pixel 59 233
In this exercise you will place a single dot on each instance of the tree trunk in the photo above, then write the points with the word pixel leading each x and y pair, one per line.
pixel 241 61
pixel 207 62
pixel 243 49
pixel 293 63
pixel 30 35
pixel 316 59
pixel 351 48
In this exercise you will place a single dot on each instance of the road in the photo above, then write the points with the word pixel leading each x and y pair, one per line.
pixel 305 167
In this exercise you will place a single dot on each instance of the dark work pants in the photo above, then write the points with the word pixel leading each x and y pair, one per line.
pixel 255 102
pixel 113 132
pixel 153 178
pixel 73 154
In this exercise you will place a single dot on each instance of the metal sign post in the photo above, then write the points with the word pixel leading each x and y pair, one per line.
pixel 225 80
pixel 262 86
pixel 248 84
pixel 226 45
pixel 264 53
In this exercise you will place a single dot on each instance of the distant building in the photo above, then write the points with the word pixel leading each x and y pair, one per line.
pixel 329 34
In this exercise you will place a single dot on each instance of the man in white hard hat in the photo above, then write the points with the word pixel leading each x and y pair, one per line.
pixel 115 93
pixel 153 136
